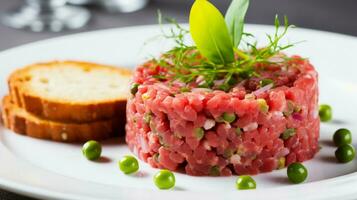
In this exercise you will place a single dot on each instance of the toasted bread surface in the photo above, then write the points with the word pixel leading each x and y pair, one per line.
pixel 71 91
pixel 20 121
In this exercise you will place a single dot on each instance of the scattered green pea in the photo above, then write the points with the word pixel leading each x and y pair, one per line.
pixel 128 164
pixel 164 179
pixel 345 153
pixel 92 150
pixel 229 117
pixel 297 173
pixel 245 183
pixel 134 88
pixel 325 113
pixel 342 136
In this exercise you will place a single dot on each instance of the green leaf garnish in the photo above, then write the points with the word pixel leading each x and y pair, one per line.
pixel 214 62
pixel 235 19
pixel 210 33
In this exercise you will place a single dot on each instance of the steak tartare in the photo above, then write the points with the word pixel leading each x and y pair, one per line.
pixel 212 109
pixel 249 129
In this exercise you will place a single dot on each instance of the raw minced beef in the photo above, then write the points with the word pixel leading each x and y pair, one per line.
pixel 275 124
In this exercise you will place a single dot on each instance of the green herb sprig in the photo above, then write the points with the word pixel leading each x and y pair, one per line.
pixel 216 55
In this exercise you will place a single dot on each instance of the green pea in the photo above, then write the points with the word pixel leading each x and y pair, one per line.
pixel 345 153
pixel 164 179
pixel 134 88
pixel 325 113
pixel 229 117
pixel 92 150
pixel 297 173
pixel 245 183
pixel 128 164
pixel 342 136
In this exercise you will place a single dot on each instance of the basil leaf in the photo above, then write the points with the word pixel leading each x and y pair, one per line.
pixel 235 19
pixel 209 32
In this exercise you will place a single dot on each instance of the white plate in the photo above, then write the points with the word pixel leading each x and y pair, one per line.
pixel 53 170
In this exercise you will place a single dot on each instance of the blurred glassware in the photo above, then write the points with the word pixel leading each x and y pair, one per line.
pixel 81 2
pixel 46 15
pixel 113 6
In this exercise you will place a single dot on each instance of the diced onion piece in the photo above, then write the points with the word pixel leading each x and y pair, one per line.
pixel 263 89
pixel 209 123
pixel 251 126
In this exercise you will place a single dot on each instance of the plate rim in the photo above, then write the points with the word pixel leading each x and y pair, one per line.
pixel 28 190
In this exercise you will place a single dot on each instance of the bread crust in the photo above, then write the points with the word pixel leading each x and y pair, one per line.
pixel 22 122
pixel 65 111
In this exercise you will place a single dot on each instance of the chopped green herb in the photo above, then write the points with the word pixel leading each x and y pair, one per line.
pixel 250 96
pixel 263 106
pixel 185 89
pixel 156 157
pixel 214 171
pixel 281 163
pixel 134 88
pixel 160 77
pixel 239 131
pixel 224 87
pixel 288 133
pixel 145 96
pixel 227 153
pixel 290 108
pixel 266 82
pixel 199 133
pixel 177 135
pixel 147 117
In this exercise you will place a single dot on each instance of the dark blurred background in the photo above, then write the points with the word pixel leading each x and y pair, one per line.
pixel 330 15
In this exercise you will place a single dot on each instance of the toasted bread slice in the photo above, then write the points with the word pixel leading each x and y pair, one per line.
pixel 22 122
pixel 70 91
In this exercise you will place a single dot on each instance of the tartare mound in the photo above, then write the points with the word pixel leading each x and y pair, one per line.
pixel 260 124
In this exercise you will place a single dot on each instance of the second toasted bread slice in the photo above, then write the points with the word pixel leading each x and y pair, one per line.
pixel 70 91
pixel 22 122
